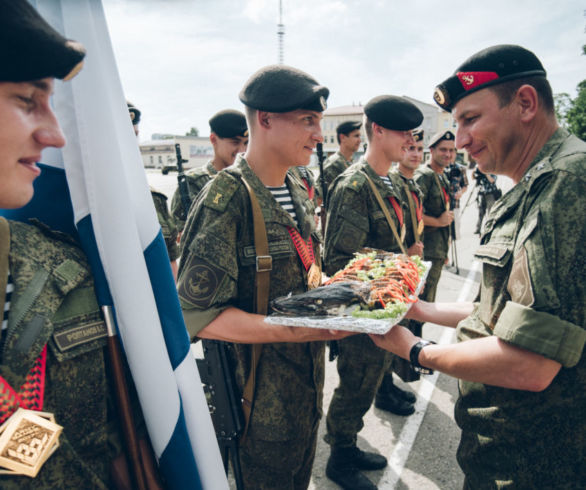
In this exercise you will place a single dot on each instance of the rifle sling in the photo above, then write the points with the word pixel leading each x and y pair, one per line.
pixel 385 211
pixel 413 211
pixel 261 298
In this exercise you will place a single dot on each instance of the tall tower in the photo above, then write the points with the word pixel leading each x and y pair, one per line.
pixel 281 33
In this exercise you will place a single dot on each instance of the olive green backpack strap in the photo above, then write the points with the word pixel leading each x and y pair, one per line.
pixel 4 250
pixel 264 265
pixel 385 211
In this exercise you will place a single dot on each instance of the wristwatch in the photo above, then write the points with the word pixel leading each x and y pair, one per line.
pixel 414 357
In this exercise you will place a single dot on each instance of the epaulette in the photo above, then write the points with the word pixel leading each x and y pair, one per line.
pixel 354 180
pixel 221 191
pixel 54 234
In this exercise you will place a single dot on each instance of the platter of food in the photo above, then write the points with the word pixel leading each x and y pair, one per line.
pixel 370 295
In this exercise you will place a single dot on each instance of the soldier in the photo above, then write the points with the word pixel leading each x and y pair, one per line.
pixel 229 136
pixel 520 357
pixel 52 352
pixel 348 135
pixel 437 214
pixel 356 220
pixel 488 194
pixel 168 226
pixel 389 396
pixel 219 266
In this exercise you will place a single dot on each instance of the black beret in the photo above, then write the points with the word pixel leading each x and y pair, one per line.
pixel 441 136
pixel 31 48
pixel 134 113
pixel 491 66
pixel 228 124
pixel 418 134
pixel 393 112
pixel 281 88
pixel 347 127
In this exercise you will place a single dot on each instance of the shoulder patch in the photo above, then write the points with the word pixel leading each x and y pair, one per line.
pixel 221 191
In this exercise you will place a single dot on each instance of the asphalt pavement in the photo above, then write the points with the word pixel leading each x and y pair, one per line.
pixel 421 448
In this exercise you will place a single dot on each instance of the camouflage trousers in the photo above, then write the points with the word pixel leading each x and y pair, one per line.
pixel 433 277
pixel 361 366
pixel 278 465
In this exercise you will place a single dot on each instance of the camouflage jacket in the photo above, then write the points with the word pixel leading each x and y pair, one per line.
pixel 334 165
pixel 532 296
pixel 53 304
pixel 355 219
pixel 409 186
pixel 168 226
pixel 196 178
pixel 305 176
pixel 436 239
pixel 217 271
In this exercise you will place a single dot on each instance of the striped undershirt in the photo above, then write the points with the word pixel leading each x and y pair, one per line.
pixel 9 289
pixel 387 181
pixel 283 197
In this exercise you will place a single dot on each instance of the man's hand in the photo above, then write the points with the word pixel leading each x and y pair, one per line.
pixel 397 340
pixel 446 218
pixel 416 249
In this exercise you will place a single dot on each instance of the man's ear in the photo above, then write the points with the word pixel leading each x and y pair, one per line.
pixel 263 119
pixel 213 138
pixel 527 100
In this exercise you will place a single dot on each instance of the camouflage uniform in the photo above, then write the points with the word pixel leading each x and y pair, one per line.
pixel 217 271
pixel 196 178
pixel 334 165
pixel 356 221
pixel 167 223
pixel 54 304
pixel 436 239
pixel 401 366
pixel 532 296
pixel 305 176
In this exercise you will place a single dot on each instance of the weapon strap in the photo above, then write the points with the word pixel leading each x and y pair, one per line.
pixel 385 211
pixel 264 265
pixel 443 191
pixel 413 210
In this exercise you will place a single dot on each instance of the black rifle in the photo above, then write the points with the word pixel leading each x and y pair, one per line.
pixel 182 181
pixel 454 174
pixel 322 182
pixel 224 402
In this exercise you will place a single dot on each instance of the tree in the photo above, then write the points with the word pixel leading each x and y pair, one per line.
pixel 576 114
pixel 562 103
pixel 192 132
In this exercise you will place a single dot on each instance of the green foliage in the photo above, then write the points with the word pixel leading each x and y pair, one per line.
pixel 576 114
pixel 192 132
pixel 562 102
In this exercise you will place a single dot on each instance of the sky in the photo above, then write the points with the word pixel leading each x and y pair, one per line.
pixel 181 61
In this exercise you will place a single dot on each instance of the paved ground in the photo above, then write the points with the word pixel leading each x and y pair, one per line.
pixel 421 448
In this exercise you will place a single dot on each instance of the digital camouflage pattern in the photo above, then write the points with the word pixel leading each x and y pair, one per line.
pixel 54 304
pixel 532 296
pixel 409 185
pixel 196 179
pixel 400 366
pixel 168 226
pixel 436 239
pixel 355 221
pixel 334 165
pixel 217 270
pixel 305 176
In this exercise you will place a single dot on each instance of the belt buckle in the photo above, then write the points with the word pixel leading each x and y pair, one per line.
pixel 264 267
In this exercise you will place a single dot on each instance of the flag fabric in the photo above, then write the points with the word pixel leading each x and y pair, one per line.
pixel 117 224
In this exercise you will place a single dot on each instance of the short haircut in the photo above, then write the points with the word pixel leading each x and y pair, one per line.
pixel 367 124
pixel 507 90
pixel 250 114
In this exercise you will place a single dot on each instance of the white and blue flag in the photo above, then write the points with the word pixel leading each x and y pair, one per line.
pixel 117 224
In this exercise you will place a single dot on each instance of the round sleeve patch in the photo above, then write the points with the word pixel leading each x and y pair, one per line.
pixel 199 283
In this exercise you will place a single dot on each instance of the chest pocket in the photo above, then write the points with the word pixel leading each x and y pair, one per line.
pixel 78 326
